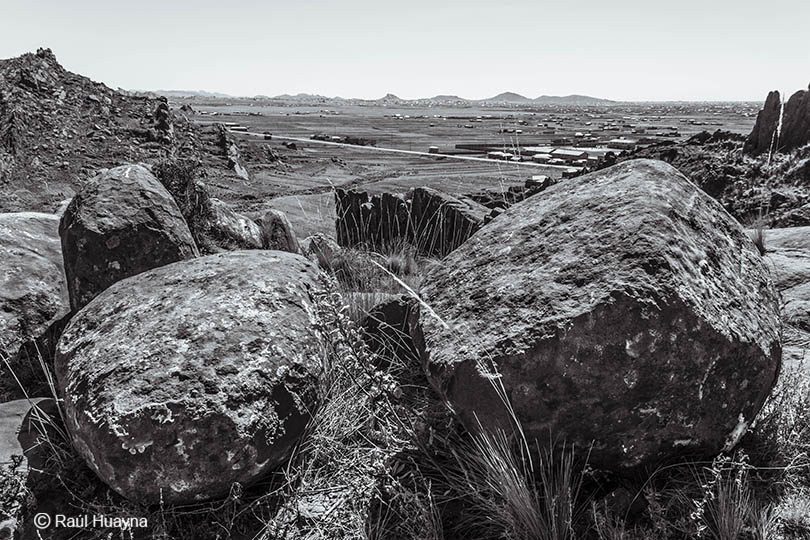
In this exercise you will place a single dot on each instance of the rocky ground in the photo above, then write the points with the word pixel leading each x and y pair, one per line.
pixel 608 357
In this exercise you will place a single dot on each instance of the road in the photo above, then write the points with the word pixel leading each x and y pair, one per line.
pixel 411 152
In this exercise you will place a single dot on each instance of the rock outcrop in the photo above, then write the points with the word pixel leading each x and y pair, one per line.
pixel 441 223
pixel 432 221
pixel 277 232
pixel 121 223
pixel 624 309
pixel 33 297
pixel 230 150
pixel 771 135
pixel 763 136
pixel 231 230
pixel 795 130
pixel 180 381
pixel 374 220
pixel 58 128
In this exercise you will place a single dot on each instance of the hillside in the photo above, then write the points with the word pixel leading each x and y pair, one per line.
pixel 57 128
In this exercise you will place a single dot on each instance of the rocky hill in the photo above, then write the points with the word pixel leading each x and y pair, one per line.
pixel 57 128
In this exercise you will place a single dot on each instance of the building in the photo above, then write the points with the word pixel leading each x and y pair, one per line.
pixel 532 150
pixel 623 144
pixel 541 158
pixel 433 150
pixel 568 155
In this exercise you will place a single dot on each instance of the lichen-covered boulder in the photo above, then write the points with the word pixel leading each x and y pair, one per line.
pixel 182 380
pixel 33 297
pixel 624 309
pixel 121 223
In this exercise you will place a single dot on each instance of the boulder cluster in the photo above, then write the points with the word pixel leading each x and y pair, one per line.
pixel 624 311
pixel 165 359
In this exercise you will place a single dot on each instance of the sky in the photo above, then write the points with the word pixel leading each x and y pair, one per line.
pixel 616 49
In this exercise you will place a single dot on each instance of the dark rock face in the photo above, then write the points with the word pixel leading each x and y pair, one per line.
pixel 763 136
pixel 230 230
pixel 441 223
pixel 371 219
pixel 33 297
pixel 277 232
pixel 192 376
pixel 624 309
pixel 434 222
pixel 122 223
pixel 796 121
pixel 388 330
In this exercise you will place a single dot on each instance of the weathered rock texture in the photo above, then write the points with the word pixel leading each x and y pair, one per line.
pixel 434 222
pixel 192 376
pixel 230 230
pixel 33 298
pixel 121 223
pixel 33 291
pixel 624 309
pixel 277 232
pixel 763 136
pixel 788 255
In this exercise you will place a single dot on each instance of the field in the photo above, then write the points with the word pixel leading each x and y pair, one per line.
pixel 301 185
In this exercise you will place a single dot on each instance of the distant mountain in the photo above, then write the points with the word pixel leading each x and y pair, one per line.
pixel 447 97
pixel 390 97
pixel 508 97
pixel 190 93
pixel 574 99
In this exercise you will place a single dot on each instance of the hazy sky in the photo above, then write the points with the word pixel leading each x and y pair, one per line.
pixel 617 49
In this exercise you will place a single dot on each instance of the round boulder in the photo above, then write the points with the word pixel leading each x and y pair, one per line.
pixel 623 310
pixel 187 378
pixel 122 222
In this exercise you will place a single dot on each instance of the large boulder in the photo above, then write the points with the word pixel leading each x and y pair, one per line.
pixel 623 309
pixel 182 380
pixel 121 223
pixel 277 232
pixel 231 230
pixel 763 135
pixel 33 297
